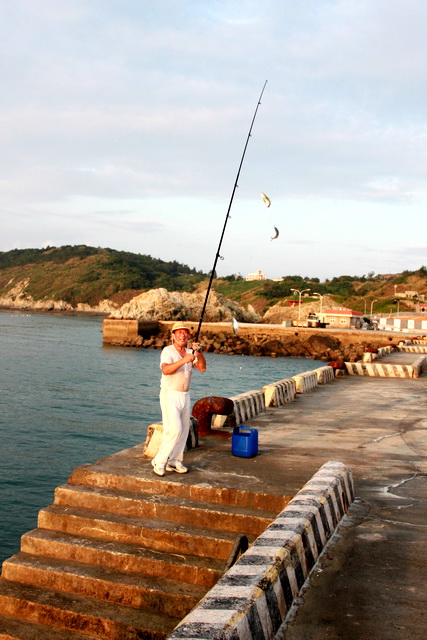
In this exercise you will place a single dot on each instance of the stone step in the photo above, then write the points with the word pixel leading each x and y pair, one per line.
pixel 122 556
pixel 166 508
pixel 142 480
pixel 158 595
pixel 152 534
pixel 78 613
pixel 16 629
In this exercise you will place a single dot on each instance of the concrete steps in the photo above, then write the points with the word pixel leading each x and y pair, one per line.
pixel 124 478
pixel 90 616
pixel 13 628
pixel 159 595
pixel 124 555
pixel 155 534
pixel 165 507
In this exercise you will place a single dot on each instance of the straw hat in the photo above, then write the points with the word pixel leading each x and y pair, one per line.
pixel 179 325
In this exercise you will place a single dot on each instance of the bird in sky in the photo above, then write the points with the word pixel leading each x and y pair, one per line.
pixel 276 234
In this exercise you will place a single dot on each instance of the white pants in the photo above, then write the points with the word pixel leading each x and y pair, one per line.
pixel 175 406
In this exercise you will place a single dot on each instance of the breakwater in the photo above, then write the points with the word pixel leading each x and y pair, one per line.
pixel 253 339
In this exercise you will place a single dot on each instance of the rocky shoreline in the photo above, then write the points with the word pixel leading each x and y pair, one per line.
pixel 256 342
pixel 158 306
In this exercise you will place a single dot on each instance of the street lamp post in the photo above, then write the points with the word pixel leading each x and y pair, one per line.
pixel 372 304
pixel 364 300
pixel 299 301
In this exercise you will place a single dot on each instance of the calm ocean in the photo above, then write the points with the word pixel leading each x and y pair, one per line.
pixel 66 400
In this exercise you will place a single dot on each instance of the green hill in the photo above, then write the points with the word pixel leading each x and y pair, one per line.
pixel 87 274
pixel 82 274
pixel 354 292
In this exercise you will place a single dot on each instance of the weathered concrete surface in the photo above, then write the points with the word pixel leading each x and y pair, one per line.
pixel 371 583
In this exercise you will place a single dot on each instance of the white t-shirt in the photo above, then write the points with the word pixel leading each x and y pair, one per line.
pixel 180 380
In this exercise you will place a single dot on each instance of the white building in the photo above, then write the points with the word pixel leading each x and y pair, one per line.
pixel 257 275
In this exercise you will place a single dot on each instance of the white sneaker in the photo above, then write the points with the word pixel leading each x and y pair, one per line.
pixel 157 470
pixel 176 466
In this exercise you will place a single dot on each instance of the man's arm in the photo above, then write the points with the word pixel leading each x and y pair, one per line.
pixel 169 368
pixel 200 363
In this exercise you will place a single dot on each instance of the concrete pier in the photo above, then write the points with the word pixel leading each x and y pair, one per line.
pixel 368 584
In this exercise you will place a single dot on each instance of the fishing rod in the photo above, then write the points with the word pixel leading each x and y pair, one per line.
pixel 217 255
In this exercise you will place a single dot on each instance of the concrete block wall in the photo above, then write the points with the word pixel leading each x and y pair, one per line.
pixel 116 330
pixel 369 357
pixel 155 433
pixel 383 351
pixel 251 601
pixel 279 393
pixel 420 365
pixel 382 370
pixel 246 405
pixel 306 382
pixel 414 348
pixel 324 375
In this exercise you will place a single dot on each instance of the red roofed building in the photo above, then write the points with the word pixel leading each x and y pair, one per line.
pixel 341 318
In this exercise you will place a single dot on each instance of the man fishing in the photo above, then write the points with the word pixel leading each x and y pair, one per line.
pixel 177 363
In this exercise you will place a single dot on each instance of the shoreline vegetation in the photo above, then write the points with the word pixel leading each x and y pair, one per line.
pixel 82 280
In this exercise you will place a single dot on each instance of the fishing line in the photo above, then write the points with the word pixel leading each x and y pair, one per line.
pixel 217 255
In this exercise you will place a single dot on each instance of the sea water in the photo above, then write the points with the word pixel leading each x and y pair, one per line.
pixel 66 400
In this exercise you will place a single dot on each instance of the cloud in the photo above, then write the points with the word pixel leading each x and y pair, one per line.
pixel 144 108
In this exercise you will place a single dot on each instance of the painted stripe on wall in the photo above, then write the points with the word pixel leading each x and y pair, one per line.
pixel 380 370
pixel 278 393
pixel 305 382
pixel 251 601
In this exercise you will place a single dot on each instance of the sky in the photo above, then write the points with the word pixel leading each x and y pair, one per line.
pixel 123 124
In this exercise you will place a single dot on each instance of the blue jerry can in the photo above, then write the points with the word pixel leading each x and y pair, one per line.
pixel 244 441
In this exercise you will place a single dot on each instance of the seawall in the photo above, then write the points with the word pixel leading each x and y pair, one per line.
pixel 253 339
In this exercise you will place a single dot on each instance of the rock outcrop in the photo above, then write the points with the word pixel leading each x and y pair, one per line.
pixel 156 304
pixel 160 304
pixel 18 298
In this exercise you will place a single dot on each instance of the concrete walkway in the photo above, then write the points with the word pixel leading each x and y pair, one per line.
pixel 371 584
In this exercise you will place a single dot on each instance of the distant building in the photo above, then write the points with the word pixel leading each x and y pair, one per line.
pixel 411 294
pixel 341 318
pixel 257 275
pixel 404 322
